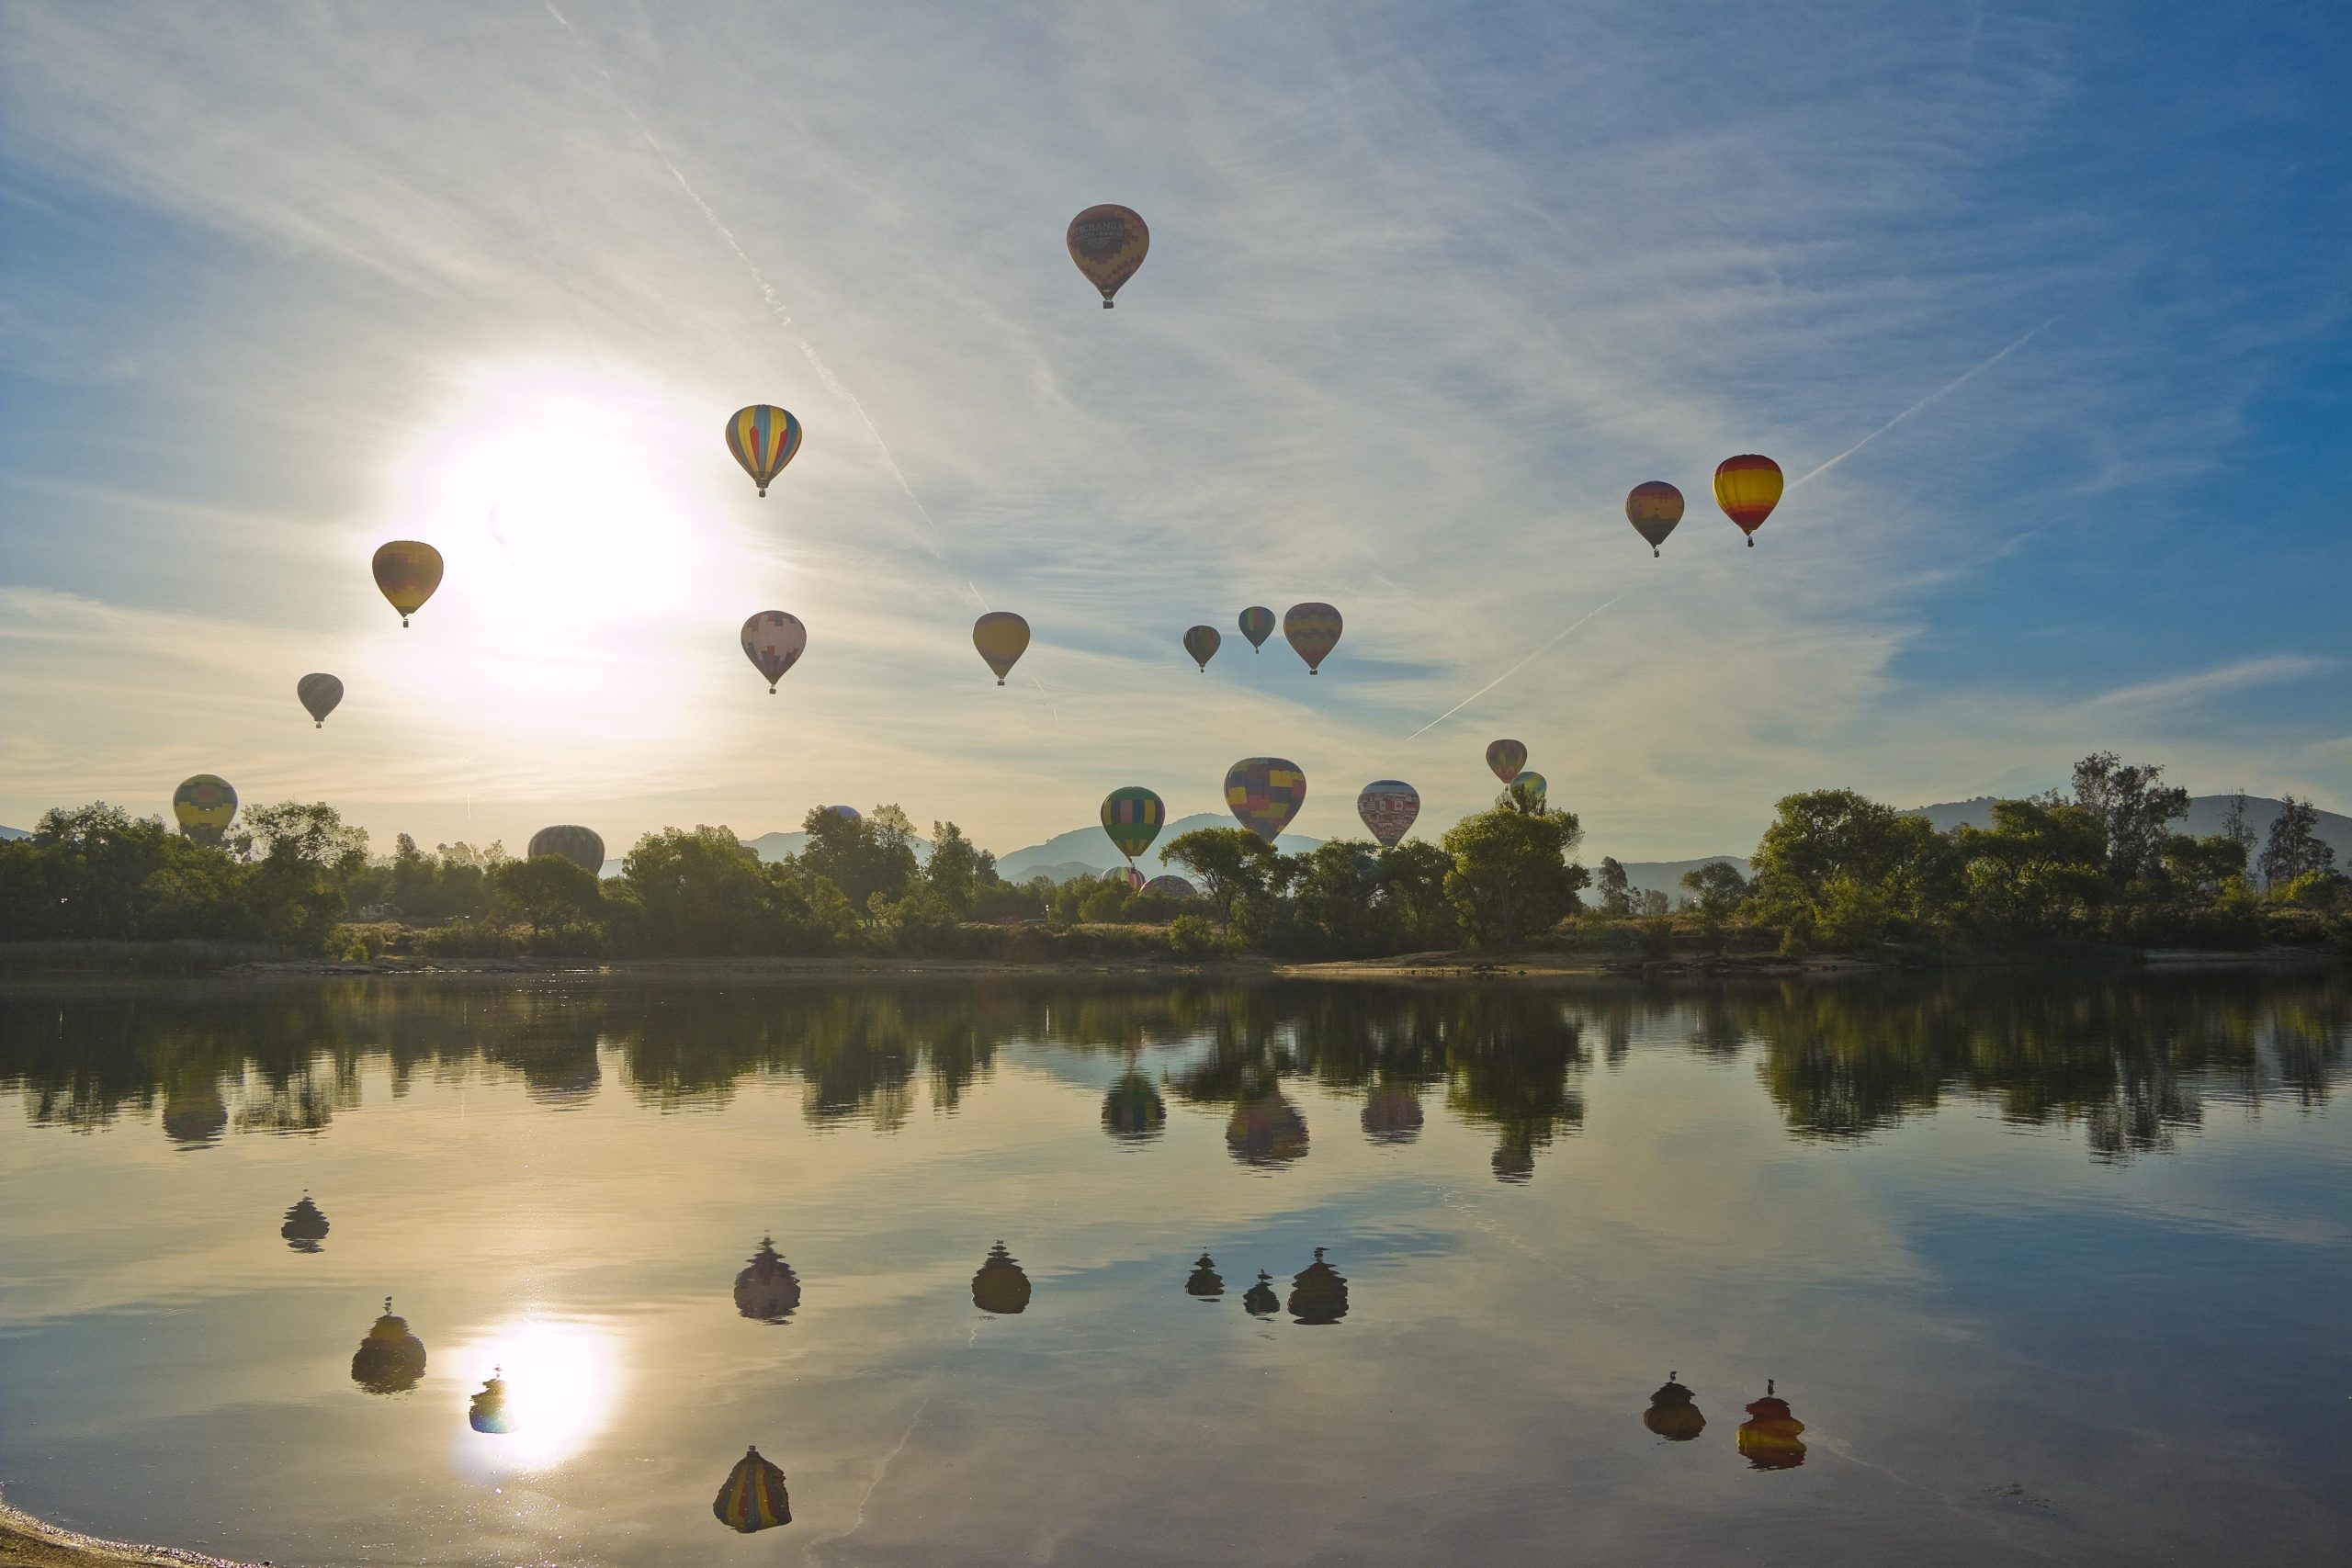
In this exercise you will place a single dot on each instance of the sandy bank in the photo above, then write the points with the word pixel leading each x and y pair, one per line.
pixel 26 1542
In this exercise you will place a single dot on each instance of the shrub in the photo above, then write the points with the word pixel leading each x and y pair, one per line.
pixel 1192 936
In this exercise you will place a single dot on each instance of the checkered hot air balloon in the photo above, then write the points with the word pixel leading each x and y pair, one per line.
pixel 1654 507
pixel 204 805
pixel 1387 808
pixel 1256 625
pixel 318 694
pixel 773 642
pixel 1747 487
pixel 583 847
pixel 407 572
pixel 1002 636
pixel 1108 242
pixel 1132 816
pixel 763 438
pixel 1202 643
pixel 1507 757
pixel 1313 631
pixel 753 1498
pixel 1264 793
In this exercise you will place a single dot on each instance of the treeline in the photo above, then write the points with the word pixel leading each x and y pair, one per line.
pixel 1836 872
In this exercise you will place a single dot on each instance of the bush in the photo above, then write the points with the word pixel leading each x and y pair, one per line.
pixel 1192 936
pixel 473 940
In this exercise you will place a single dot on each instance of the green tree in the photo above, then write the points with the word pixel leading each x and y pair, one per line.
pixel 2206 868
pixel 2294 847
pixel 1717 888
pixel 2135 807
pixel 1510 873
pixel 1411 879
pixel 2040 865
pixel 1226 862
pixel 960 872
pixel 703 892
pixel 549 892
pixel 1616 890
pixel 865 856
pixel 1834 846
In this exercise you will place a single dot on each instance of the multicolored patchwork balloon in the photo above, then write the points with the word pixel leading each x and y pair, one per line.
pixel 583 847
pixel 773 642
pixel 1313 631
pixel 1256 625
pixel 1507 757
pixel 1202 643
pixel 1264 793
pixel 754 1497
pixel 1654 507
pixel 204 806
pixel 1747 487
pixel 1132 815
pixel 1125 876
pixel 1171 886
pixel 1108 242
pixel 763 438
pixel 318 694
pixel 1527 788
pixel 1002 636
pixel 407 572
pixel 1388 808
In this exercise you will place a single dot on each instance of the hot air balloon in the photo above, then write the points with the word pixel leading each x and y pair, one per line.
pixel 305 1227
pixel 1267 1131
pixel 1264 793
pixel 773 642
pixel 763 438
pixel 1747 487
pixel 319 693
pixel 1259 1300
pixel 204 806
pixel 1171 886
pixel 1671 1415
pixel 407 573
pixel 753 1497
pixel 1654 507
pixel 1002 636
pixel 1256 625
pixel 1126 876
pixel 1202 643
pixel 767 1289
pixel 1768 1439
pixel 1131 818
pixel 1132 1111
pixel 1507 757
pixel 1388 808
pixel 390 1359
pixel 1319 1293
pixel 1205 1283
pixel 1313 631
pixel 582 846
pixel 193 1112
pixel 488 1413
pixel 1000 1286
pixel 1527 789
pixel 848 813
pixel 1108 242
pixel 1392 1114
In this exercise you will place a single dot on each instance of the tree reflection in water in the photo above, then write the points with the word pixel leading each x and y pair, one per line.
pixel 2130 1060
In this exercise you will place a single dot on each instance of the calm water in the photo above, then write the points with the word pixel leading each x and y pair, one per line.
pixel 2050 1271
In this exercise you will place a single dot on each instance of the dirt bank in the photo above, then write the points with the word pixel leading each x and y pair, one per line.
pixel 26 1542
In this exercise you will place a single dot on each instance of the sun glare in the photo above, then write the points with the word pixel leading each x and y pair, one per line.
pixel 558 1381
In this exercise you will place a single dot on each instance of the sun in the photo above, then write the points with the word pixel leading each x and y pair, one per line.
pixel 561 1379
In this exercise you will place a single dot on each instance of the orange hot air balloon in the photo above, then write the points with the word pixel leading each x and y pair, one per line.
pixel 1654 507
pixel 1313 631
pixel 1108 242
pixel 407 573
pixel 1747 487
pixel 1507 757
pixel 1002 636
pixel 1771 1438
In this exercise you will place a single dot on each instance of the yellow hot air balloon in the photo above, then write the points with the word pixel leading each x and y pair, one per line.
pixel 1002 636
pixel 1108 243
pixel 204 805
pixel 408 572
pixel 1747 487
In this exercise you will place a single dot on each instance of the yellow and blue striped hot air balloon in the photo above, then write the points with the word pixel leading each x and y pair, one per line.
pixel 1313 630
pixel 1256 625
pixel 753 1498
pixel 1002 636
pixel 583 847
pixel 1132 815
pixel 204 805
pixel 1747 487
pixel 763 438
pixel 407 572
pixel 1202 643
pixel 1264 793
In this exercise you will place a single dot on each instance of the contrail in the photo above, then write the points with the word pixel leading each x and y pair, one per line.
pixel 1514 670
pixel 1952 385
pixel 775 304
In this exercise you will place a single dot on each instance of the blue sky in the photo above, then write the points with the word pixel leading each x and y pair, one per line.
pixel 1430 288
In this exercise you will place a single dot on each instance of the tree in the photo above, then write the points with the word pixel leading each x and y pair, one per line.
pixel 1890 865
pixel 2041 863
pixel 1412 878
pixel 958 872
pixel 1717 888
pixel 2135 807
pixel 1616 891
pixel 703 892
pixel 2295 846
pixel 864 856
pixel 549 891
pixel 1511 871
pixel 2205 867
pixel 1228 863
pixel 2235 828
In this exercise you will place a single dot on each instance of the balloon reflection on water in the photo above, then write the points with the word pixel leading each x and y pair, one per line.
pixel 548 1387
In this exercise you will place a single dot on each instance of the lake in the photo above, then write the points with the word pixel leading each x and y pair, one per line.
pixel 1930 1270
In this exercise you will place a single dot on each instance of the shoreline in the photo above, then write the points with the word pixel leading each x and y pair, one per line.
pixel 28 1543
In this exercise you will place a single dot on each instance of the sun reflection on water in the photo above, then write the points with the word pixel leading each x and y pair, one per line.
pixel 560 1381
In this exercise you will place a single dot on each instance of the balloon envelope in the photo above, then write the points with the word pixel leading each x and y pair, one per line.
pixel 763 438
pixel 1313 630
pixel 1747 487
pixel 1171 886
pixel 1388 808
pixel 1256 625
pixel 773 642
pixel 1507 757
pixel 849 812
pixel 407 573
pixel 1108 242
pixel 317 696
pixel 582 846
pixel 1202 643
pixel 1527 787
pixel 1264 793
pixel 204 805
pixel 1002 636
pixel 1654 507
pixel 1132 816
pixel 1126 876
pixel 753 1497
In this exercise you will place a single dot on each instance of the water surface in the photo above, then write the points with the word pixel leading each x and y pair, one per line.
pixel 2035 1269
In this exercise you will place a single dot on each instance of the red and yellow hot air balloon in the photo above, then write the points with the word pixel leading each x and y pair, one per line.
pixel 763 438
pixel 1313 631
pixel 1747 487
pixel 1654 507
pixel 1264 793
pixel 1771 1438
pixel 1002 636
pixel 754 1497
pixel 1108 242
pixel 773 642
pixel 1507 757
pixel 407 572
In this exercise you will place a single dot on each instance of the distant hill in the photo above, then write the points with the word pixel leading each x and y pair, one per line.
pixel 1665 875
pixel 1088 847
pixel 2207 813
pixel 13 834
pixel 1060 872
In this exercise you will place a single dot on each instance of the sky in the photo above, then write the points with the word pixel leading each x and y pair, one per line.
pixel 2044 310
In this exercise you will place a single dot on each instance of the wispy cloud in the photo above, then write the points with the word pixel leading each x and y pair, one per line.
pixel 2178 691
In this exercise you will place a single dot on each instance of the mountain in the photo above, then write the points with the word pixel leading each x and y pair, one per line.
pixel 13 834
pixel 776 846
pixel 1063 852
pixel 2207 813
pixel 1665 875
